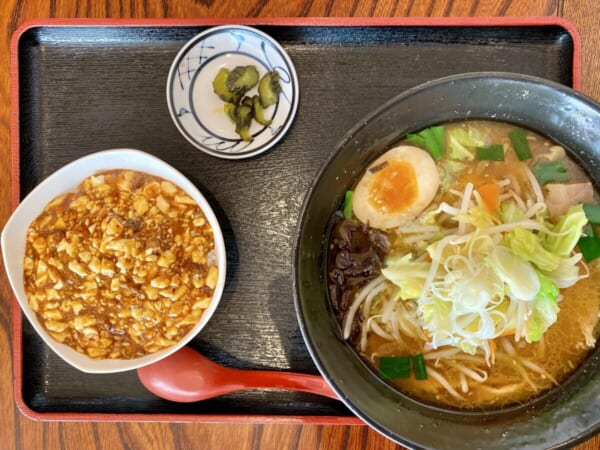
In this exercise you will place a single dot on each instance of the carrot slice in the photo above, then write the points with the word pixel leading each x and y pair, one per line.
pixel 490 194
pixel 508 332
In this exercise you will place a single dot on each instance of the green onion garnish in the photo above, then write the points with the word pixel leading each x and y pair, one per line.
pixel 491 153
pixel 550 172
pixel 589 245
pixel 592 212
pixel 431 139
pixel 394 366
pixel 348 204
pixel 519 142
pixel 419 367
pixel 399 366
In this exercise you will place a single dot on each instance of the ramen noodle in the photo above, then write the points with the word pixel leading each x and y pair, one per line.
pixel 462 265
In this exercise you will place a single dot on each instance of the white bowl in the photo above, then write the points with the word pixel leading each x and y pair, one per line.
pixel 67 179
pixel 197 111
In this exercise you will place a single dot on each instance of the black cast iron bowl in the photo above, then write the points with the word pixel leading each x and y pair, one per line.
pixel 559 418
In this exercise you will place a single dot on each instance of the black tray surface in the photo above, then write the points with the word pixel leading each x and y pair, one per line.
pixel 88 88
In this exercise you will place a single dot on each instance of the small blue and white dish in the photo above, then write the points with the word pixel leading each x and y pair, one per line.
pixel 197 111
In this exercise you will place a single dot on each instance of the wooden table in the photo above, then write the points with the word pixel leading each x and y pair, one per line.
pixel 16 431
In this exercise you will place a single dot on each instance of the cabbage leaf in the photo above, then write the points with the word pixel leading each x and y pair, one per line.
pixel 463 143
pixel 544 309
pixel 527 245
pixel 510 212
pixel 408 275
pixel 571 224
pixel 449 173
pixel 567 272
pixel 478 217
pixel 518 274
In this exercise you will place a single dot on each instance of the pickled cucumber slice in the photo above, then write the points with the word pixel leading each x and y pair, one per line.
pixel 243 119
pixel 241 79
pixel 245 134
pixel 259 112
pixel 269 89
pixel 231 85
pixel 229 109
pixel 220 88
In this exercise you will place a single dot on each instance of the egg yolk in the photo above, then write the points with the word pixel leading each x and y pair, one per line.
pixel 394 188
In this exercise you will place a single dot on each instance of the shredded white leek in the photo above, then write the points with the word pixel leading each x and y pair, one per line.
pixel 476 286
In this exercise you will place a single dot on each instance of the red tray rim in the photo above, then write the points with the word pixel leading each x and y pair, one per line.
pixel 255 21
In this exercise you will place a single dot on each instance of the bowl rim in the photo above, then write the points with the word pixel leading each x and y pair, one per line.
pixel 293 103
pixel 66 179
pixel 300 303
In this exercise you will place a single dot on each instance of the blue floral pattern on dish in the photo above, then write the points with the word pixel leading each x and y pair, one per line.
pixel 199 114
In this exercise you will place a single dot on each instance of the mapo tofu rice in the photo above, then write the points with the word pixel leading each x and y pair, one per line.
pixel 123 267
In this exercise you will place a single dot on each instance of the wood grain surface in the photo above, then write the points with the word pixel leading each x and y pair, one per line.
pixel 17 431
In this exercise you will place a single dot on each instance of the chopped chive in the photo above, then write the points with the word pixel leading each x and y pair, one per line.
pixel 491 153
pixel 432 139
pixel 394 366
pixel 550 172
pixel 592 212
pixel 419 367
pixel 416 140
pixel 589 245
pixel 519 142
pixel 348 204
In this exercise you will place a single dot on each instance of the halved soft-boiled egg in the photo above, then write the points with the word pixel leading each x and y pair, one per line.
pixel 396 187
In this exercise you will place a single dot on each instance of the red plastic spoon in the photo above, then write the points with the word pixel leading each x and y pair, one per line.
pixel 188 376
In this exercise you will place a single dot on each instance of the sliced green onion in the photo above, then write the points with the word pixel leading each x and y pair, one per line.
pixel 592 212
pixel 519 142
pixel 419 367
pixel 550 172
pixel 415 139
pixel 432 139
pixel 394 366
pixel 589 245
pixel 491 153
pixel 348 204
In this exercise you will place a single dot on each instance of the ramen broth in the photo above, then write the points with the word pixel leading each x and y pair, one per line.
pixel 515 364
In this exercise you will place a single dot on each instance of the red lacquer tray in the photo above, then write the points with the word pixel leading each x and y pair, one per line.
pixel 80 86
